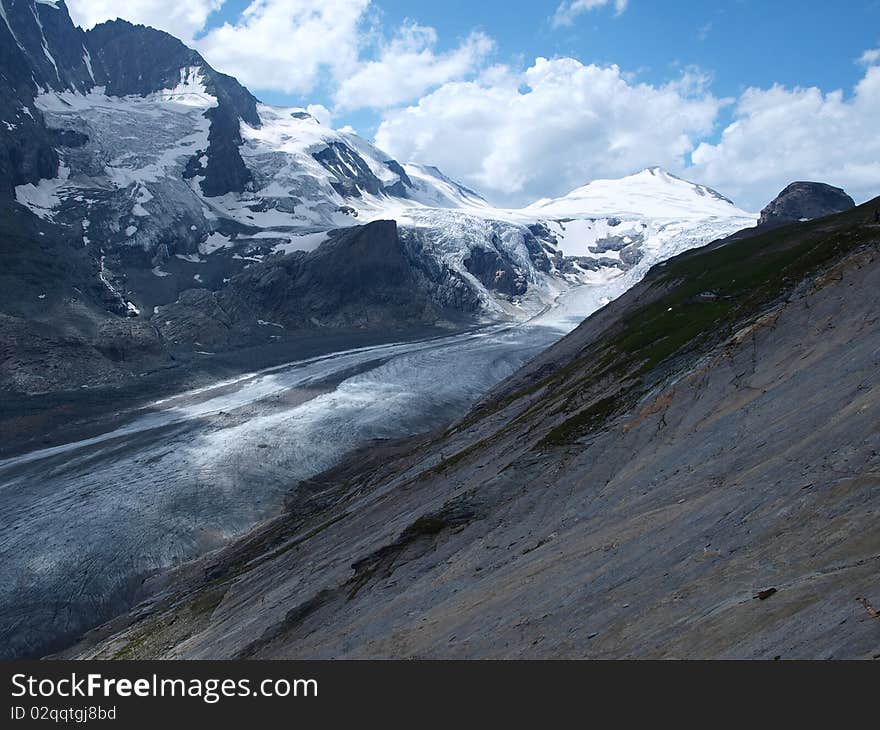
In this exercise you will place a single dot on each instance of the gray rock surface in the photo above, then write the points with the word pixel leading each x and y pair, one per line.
pixel 682 476
pixel 804 201
pixel 361 277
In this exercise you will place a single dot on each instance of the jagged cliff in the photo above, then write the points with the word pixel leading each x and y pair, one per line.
pixel 693 472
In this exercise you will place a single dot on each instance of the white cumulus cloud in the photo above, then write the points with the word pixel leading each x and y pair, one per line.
pixel 560 123
pixel 181 18
pixel 779 135
pixel 870 57
pixel 568 10
pixel 288 45
pixel 321 113
pixel 408 66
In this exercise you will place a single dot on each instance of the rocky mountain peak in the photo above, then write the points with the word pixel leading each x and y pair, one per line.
pixel 805 201
pixel 49 49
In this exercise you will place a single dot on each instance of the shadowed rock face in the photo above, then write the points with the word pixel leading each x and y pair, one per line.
pixel 495 273
pixel 805 201
pixel 340 160
pixel 682 476
pixel 54 330
pixel 361 277
pixel 27 152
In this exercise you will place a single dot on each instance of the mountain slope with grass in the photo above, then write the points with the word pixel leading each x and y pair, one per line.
pixel 692 472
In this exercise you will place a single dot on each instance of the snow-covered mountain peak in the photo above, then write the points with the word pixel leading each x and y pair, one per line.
pixel 653 193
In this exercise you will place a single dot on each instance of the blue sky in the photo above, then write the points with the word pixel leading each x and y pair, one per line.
pixel 740 43
pixel 529 99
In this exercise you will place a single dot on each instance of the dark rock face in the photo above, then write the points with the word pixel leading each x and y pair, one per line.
pixel 55 332
pixel 805 200
pixel 341 160
pixel 354 177
pixel 592 263
pixel 361 277
pixel 134 59
pixel 396 190
pixel 495 273
pixel 446 287
pixel 535 246
pixel 63 62
pixel 68 138
pixel 38 357
pixel 616 243
pixel 398 170
pixel 27 151
pixel 40 261
pixel 631 254
pixel 196 318
pixel 225 171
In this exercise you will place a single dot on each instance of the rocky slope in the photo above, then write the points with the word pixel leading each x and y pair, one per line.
pixel 692 472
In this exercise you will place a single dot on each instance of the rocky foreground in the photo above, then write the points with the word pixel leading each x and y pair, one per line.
pixel 693 472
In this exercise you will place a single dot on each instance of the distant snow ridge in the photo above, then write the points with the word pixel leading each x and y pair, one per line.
pixel 653 192
pixel 636 215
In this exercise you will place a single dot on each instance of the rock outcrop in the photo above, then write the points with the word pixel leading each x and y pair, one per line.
pixel 802 201
pixel 361 277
